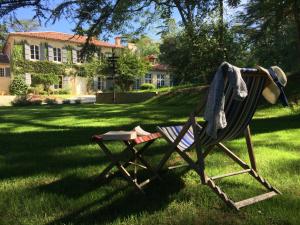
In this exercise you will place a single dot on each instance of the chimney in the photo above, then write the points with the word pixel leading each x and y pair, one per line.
pixel 118 41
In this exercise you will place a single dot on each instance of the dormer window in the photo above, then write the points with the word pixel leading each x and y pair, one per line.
pixel 57 54
pixel 34 52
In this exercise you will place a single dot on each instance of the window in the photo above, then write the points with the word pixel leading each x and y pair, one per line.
pixel 57 54
pixel 79 60
pixel 137 84
pixel 148 78
pixel 160 80
pixel 108 54
pixel 100 84
pixel 60 83
pixel 2 72
pixel 34 52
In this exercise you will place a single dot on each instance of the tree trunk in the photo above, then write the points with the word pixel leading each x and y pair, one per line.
pixel 297 21
pixel 221 28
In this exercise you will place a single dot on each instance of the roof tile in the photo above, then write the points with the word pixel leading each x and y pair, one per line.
pixel 49 35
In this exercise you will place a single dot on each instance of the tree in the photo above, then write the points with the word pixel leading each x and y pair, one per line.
pixel 102 16
pixel 273 29
pixel 23 25
pixel 18 86
pixel 196 65
pixel 3 34
pixel 129 68
pixel 46 80
pixel 145 45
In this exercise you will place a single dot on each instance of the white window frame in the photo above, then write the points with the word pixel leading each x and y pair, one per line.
pixel 137 84
pixel 148 78
pixel 100 83
pixel 34 52
pixel 161 80
pixel 2 72
pixel 57 56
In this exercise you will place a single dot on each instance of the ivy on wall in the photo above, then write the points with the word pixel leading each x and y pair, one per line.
pixel 20 66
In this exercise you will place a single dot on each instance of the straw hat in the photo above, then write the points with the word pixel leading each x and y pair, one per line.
pixel 276 81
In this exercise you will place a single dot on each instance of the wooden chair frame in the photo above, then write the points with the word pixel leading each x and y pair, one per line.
pixel 136 160
pixel 199 165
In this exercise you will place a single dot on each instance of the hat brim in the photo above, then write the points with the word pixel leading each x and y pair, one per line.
pixel 271 91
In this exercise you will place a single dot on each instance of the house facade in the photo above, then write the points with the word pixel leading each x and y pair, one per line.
pixel 26 53
pixel 5 77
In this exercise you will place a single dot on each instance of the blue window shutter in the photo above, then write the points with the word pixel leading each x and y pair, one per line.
pixel 50 53
pixel 74 56
pixel 42 52
pixel 7 72
pixel 27 51
pixel 64 55
pixel 95 83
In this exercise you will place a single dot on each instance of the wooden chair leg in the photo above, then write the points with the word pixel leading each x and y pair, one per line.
pixel 121 168
pixel 137 154
pixel 250 148
pixel 200 156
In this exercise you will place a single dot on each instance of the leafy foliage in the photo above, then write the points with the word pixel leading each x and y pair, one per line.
pixel 195 60
pixel 130 67
pixel 147 86
pixel 18 86
pixel 146 46
pixel 46 79
pixel 273 31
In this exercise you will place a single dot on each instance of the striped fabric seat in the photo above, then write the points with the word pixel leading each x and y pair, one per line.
pixel 171 133
pixel 238 114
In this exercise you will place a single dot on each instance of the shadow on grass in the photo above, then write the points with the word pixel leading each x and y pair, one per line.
pixel 112 206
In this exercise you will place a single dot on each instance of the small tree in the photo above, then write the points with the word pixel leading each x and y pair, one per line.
pixel 46 80
pixel 129 68
pixel 18 86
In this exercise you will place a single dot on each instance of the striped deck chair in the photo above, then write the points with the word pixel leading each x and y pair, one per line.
pixel 238 114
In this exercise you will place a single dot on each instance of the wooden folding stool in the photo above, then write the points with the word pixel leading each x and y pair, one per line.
pixel 136 159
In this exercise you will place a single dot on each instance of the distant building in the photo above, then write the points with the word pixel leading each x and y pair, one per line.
pixel 65 49
pixel 159 75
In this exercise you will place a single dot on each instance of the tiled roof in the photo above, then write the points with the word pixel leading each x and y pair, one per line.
pixel 4 59
pixel 160 67
pixel 57 36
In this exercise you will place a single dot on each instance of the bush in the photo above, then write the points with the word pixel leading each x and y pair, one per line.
pixel 78 101
pixel 64 91
pixel 51 101
pixel 37 90
pixel 66 101
pixel 28 100
pixel 21 101
pixel 147 86
pixel 35 100
pixel 18 86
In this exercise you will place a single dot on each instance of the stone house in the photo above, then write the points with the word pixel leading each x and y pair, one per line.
pixel 58 49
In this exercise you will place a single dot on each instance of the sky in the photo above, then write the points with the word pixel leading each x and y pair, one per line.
pixel 64 25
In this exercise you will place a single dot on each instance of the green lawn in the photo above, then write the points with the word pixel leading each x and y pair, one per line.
pixel 48 167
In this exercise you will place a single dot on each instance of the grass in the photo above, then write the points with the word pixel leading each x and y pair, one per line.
pixel 48 167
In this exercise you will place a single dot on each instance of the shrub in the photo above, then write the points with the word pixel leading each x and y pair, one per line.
pixel 51 101
pixel 37 90
pixel 147 86
pixel 21 101
pixel 66 101
pixel 18 86
pixel 28 100
pixel 64 91
pixel 35 100
pixel 78 101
